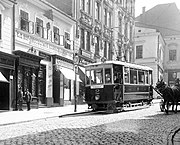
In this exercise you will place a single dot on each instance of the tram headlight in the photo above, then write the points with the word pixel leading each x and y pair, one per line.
pixel 97 97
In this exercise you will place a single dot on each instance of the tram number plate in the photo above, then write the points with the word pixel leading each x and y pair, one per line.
pixel 97 86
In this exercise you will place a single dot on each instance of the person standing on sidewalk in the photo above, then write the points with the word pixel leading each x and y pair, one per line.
pixel 20 99
pixel 28 97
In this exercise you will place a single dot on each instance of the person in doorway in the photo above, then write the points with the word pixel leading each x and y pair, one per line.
pixel 28 97
pixel 20 99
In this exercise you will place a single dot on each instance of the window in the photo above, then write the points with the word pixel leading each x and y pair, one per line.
pixel 56 35
pixel 105 17
pixel 141 77
pixel 108 75
pixel 24 21
pixel 97 45
pixel 88 41
pixel 67 41
pixel 83 5
pixel 89 6
pixel 146 77
pixel 82 39
pixel 118 74
pixel 133 76
pixel 126 74
pixel 39 27
pixel 97 76
pixel 109 19
pixel 0 26
pixel 97 11
pixel 139 52
pixel 105 49
pixel 172 55
pixel 88 77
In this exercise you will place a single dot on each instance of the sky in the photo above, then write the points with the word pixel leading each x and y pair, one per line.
pixel 150 4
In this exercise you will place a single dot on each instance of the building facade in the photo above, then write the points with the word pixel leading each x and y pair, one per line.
pixel 172 59
pixel 44 37
pixel 150 50
pixel 7 59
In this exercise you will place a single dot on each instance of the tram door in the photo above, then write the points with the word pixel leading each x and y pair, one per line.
pixel 42 84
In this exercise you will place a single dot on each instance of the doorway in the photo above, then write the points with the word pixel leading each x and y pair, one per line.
pixel 42 84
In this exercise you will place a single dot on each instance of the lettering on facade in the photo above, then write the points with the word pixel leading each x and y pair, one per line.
pixel 62 63
pixel 43 44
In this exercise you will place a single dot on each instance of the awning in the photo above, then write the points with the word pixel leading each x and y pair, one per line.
pixel 3 79
pixel 69 74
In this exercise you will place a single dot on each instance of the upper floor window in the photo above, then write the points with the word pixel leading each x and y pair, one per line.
pixel 39 27
pixel 24 21
pixel 86 6
pixel 139 52
pixel 56 35
pixel 82 41
pixel 172 55
pixel 97 40
pixel 97 10
pixel 0 26
pixel 88 41
pixel 109 19
pixel 67 41
pixel 105 16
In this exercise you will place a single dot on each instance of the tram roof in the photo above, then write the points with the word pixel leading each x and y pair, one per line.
pixel 131 65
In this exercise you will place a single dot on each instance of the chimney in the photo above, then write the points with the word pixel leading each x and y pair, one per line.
pixel 143 9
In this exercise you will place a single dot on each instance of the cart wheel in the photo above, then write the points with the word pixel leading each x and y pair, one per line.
pixel 161 106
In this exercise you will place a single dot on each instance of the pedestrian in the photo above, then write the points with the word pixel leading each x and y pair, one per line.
pixel 20 99
pixel 28 97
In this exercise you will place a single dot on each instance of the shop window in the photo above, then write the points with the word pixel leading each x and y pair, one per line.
pixel 133 76
pixel 141 77
pixel 108 75
pixel 24 21
pixel 67 41
pixel 39 27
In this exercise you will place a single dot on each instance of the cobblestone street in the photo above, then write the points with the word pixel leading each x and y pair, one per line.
pixel 140 127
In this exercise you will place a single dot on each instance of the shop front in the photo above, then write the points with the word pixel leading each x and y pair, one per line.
pixel 28 72
pixel 63 81
pixel 7 81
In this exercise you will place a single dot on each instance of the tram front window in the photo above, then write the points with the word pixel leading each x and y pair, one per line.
pixel 97 76
pixel 108 75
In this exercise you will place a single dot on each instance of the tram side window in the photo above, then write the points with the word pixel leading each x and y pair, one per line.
pixel 141 78
pixel 126 74
pixel 117 74
pixel 133 76
pixel 97 76
pixel 88 77
pixel 146 77
pixel 108 75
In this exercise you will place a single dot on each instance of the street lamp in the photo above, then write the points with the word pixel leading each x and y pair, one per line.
pixel 76 62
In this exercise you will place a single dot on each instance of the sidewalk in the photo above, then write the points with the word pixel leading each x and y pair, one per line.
pixel 11 117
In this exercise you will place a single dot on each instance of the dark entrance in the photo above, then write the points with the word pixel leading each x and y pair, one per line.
pixel 42 84
pixel 4 96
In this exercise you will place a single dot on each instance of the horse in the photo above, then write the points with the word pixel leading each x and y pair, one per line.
pixel 169 94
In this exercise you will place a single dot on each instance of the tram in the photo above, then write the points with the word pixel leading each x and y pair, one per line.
pixel 113 84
